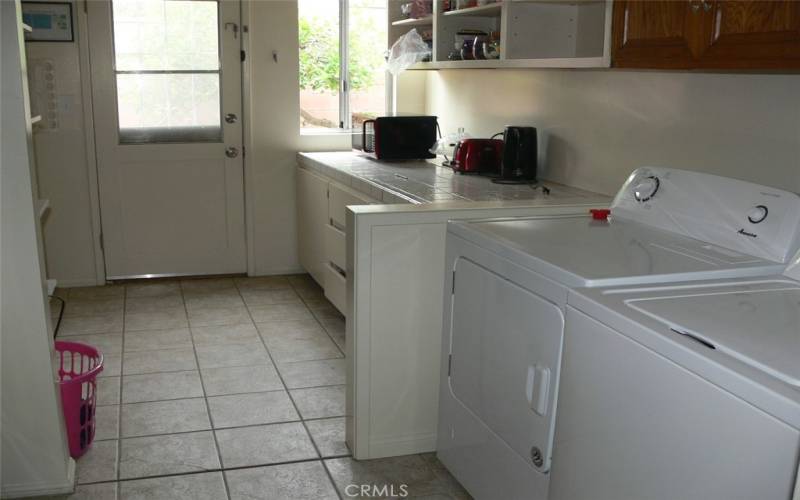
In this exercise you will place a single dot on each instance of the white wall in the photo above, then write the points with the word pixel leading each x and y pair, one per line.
pixel 273 136
pixel 274 131
pixel 598 125
pixel 34 458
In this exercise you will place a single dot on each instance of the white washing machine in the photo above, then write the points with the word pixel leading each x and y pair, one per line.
pixel 507 288
pixel 686 390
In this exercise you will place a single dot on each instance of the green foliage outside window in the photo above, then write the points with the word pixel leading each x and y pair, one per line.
pixel 319 51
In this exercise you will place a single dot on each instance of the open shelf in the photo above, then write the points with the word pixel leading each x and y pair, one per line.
pixel 531 33
pixel 422 21
pixel 424 65
pixel 552 62
pixel 488 10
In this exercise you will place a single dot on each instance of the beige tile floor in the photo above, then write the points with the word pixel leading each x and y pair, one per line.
pixel 225 388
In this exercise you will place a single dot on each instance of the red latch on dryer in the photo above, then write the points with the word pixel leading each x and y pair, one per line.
pixel 600 213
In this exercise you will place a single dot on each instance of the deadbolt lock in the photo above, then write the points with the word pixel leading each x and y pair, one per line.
pixel 231 118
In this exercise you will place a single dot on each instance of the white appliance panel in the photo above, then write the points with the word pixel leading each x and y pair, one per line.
pixel 793 271
pixel 633 424
pixel 580 251
pixel 760 328
pixel 749 218
pixel 506 349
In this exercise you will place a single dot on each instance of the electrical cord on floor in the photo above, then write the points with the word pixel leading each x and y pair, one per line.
pixel 60 314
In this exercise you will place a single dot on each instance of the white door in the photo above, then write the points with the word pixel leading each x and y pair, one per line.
pixel 505 348
pixel 166 79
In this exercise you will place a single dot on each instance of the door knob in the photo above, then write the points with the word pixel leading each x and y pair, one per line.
pixel 231 118
pixel 231 152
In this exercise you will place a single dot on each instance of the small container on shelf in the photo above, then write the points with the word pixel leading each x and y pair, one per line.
pixel 491 49
pixel 465 4
pixel 488 47
pixel 417 9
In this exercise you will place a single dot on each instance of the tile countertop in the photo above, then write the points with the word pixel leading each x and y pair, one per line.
pixel 421 182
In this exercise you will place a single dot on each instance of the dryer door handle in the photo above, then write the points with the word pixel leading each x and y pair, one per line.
pixel 538 388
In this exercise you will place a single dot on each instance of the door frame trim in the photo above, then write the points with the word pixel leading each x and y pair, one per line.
pixel 84 42
pixel 89 140
pixel 247 140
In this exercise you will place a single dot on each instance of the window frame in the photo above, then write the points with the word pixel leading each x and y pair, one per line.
pixel 192 134
pixel 345 118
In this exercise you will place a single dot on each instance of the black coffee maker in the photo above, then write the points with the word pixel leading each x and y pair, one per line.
pixel 520 156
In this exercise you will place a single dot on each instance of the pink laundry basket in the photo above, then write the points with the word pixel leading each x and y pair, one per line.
pixel 78 367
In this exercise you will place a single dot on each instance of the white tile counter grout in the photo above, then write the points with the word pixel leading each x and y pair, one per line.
pixel 421 182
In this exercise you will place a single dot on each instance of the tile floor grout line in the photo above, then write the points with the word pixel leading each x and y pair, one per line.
pixel 224 395
pixel 291 398
pixel 316 319
pixel 194 431
pixel 221 469
pixel 305 426
pixel 121 369
pixel 205 399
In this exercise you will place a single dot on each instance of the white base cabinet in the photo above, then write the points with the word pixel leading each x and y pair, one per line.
pixel 321 218
pixel 312 217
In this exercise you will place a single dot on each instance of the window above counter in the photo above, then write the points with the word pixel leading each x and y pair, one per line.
pixel 342 75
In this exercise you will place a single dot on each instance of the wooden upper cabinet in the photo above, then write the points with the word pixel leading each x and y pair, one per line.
pixel 752 34
pixel 655 34
pixel 713 34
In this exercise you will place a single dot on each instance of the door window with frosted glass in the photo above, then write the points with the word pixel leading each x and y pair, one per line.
pixel 167 66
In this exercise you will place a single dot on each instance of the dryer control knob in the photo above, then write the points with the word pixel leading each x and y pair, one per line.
pixel 757 214
pixel 646 188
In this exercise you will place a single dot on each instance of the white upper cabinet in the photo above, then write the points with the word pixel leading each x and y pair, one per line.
pixel 531 33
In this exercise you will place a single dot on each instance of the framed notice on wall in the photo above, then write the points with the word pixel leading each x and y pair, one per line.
pixel 51 21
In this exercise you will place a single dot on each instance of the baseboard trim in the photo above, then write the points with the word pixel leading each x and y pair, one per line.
pixel 62 283
pixel 77 282
pixel 65 487
pixel 404 445
pixel 279 271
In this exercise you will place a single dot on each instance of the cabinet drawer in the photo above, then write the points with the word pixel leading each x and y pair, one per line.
pixel 339 197
pixel 336 288
pixel 335 246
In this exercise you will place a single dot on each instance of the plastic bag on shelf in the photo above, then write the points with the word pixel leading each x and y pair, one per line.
pixel 406 51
